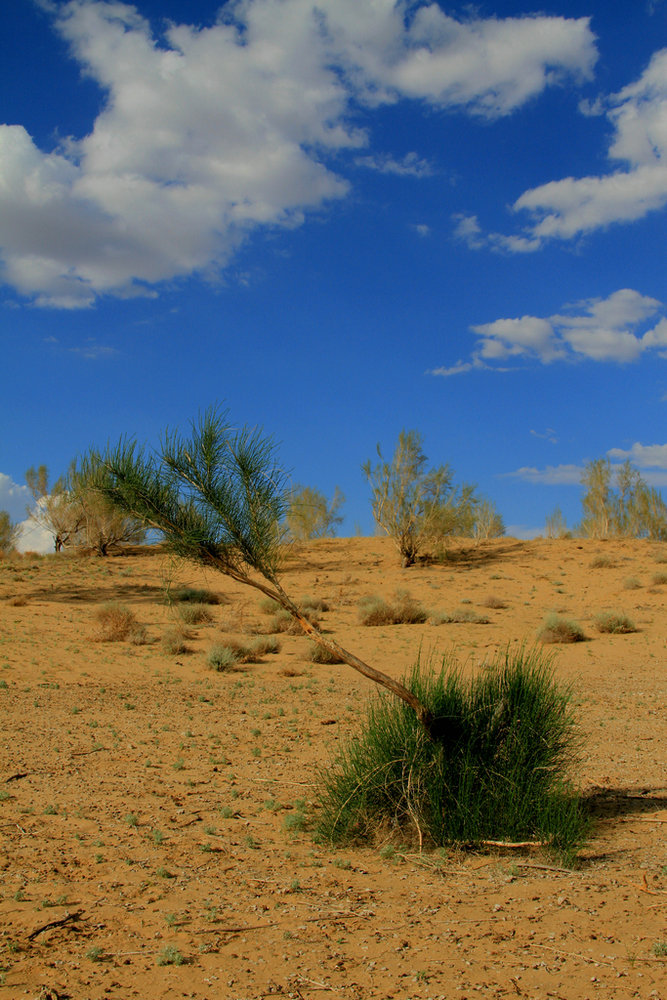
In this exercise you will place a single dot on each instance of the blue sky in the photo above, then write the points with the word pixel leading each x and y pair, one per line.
pixel 343 219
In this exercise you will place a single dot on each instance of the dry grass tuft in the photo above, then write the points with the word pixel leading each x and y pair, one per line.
pixel 194 614
pixel 320 654
pixel 116 623
pixel 494 602
pixel 560 630
pixel 403 610
pixel 173 641
pixel 602 562
pixel 614 623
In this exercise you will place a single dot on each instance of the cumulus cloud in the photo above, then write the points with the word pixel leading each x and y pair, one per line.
pixel 644 456
pixel 552 475
pixel 567 208
pixel 610 330
pixel 13 497
pixel 411 165
pixel 206 134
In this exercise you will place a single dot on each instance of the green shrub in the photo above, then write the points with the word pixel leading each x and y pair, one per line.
pixel 560 630
pixel 194 595
pixel 614 623
pixel 223 657
pixel 498 771
pixel 403 610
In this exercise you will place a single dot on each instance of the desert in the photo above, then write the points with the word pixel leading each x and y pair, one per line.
pixel 156 813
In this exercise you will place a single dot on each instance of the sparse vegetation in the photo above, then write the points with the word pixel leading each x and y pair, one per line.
pixel 194 614
pixel 173 641
pixel 618 503
pixel 403 610
pixel 310 515
pixel 115 622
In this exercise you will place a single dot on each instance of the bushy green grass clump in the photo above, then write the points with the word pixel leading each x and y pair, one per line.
pixel 614 623
pixel 498 771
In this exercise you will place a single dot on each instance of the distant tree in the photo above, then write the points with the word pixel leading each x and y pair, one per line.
pixel 414 505
pixel 310 515
pixel 488 521
pixel 555 525
pixel 8 533
pixel 619 503
pixel 219 499
pixel 75 515
pixel 55 507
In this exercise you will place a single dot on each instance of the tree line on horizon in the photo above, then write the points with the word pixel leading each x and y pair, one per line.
pixel 419 507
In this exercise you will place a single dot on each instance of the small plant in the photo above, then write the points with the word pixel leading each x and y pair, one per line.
pixel 194 614
pixel 95 954
pixel 194 595
pixel 265 645
pixel 660 949
pixel 462 616
pixel 132 820
pixel 222 657
pixel 173 642
pixel 295 822
pixel 658 579
pixel 614 623
pixel 493 602
pixel 170 956
pixel 560 630
pixel 403 610
pixel 115 622
pixel 602 562
pixel 631 583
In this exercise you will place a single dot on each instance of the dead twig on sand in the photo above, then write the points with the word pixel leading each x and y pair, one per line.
pixel 67 919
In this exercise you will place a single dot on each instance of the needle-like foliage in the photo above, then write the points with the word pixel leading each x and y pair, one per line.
pixel 219 498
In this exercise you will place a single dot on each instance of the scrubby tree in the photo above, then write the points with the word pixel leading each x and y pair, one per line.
pixel 619 503
pixel 311 515
pixel 219 498
pixel 8 533
pixel 55 507
pixel 414 505
pixel 488 521
pixel 76 515
pixel 556 525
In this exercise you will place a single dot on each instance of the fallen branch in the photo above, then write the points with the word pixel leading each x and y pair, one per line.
pixel 514 843
pixel 67 919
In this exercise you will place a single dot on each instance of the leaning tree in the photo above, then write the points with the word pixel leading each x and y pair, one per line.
pixel 219 499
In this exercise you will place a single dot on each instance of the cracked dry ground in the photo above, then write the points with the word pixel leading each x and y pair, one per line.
pixel 151 809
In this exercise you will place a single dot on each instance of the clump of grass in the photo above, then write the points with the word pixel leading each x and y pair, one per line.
pixel 560 630
pixel 282 622
pixel 403 610
pixel 229 654
pixel 614 623
pixel 194 595
pixel 173 641
pixel 115 622
pixel 320 654
pixel 602 562
pixel 499 769
pixel 194 613
pixel 494 602
pixel 170 956
pixel 658 579
pixel 631 583
pixel 313 604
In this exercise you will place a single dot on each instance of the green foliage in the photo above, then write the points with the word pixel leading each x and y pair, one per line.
pixel 311 515
pixel 8 533
pixel 499 771
pixel 416 506
pixel 619 503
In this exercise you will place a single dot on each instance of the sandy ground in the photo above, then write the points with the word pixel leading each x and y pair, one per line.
pixel 151 808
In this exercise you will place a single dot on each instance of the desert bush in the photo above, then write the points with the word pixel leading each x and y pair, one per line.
pixel 602 562
pixel 283 621
pixel 174 642
pixel 265 645
pixel 560 630
pixel 311 515
pixel 631 583
pixel 314 604
pixel 614 623
pixel 8 533
pixel 403 610
pixel 618 502
pixel 658 579
pixel 494 602
pixel 194 614
pixel 116 622
pixel 416 507
pixel 320 654
pixel 223 657
pixel 500 769
pixel 227 654
pixel 193 595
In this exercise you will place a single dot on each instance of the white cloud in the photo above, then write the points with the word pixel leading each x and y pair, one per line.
pixel 13 497
pixel 643 455
pixel 410 166
pixel 567 208
pixel 552 475
pixel 611 330
pixel 207 134
pixel 34 538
